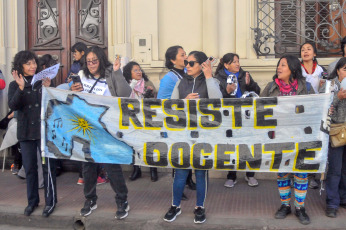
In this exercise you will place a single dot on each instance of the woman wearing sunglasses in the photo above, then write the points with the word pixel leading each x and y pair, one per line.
pixel 198 83
pixel 229 65
pixel 100 77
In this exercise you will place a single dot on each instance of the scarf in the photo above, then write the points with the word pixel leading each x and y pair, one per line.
pixel 238 93
pixel 287 89
pixel 314 65
pixel 137 88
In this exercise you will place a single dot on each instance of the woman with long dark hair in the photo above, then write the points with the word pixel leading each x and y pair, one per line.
pixel 26 100
pixel 99 72
pixel 197 83
pixel 289 81
pixel 311 70
pixel 142 87
pixel 229 65
pixel 336 175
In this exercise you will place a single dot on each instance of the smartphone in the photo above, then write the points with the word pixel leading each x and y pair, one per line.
pixel 75 78
pixel 212 60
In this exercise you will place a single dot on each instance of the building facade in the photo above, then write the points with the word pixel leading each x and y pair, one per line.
pixel 143 29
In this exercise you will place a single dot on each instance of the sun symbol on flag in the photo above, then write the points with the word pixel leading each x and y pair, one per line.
pixel 81 124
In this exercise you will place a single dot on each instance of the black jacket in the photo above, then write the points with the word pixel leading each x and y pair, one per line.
pixel 222 77
pixel 27 103
pixel 193 85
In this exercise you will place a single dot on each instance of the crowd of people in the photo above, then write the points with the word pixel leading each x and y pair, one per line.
pixel 189 77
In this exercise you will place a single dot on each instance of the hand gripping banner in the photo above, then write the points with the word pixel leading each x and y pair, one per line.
pixel 283 134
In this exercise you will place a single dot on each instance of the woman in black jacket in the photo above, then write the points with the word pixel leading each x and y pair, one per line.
pixel 26 100
pixel 229 65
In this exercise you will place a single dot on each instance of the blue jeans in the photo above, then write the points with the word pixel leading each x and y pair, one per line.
pixel 180 182
pixel 336 177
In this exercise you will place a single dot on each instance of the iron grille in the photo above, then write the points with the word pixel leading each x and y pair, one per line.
pixel 283 25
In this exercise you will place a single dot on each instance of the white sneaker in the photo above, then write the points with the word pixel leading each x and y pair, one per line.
pixel 230 183
pixel 251 181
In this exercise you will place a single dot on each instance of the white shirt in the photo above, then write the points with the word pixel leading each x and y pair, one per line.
pixel 101 88
pixel 314 79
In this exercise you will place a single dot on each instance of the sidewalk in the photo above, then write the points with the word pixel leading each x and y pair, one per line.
pixel 241 207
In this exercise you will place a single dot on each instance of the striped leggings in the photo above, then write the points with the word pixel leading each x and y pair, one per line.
pixel 300 188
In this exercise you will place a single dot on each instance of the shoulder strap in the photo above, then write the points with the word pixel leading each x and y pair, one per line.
pixel 91 89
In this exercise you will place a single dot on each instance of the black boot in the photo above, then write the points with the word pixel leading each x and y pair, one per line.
pixel 153 174
pixel 137 173
pixel 189 181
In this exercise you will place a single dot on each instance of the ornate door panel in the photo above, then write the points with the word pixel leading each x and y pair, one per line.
pixel 54 26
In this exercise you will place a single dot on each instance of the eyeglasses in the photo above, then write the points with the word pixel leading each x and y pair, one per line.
pixel 137 70
pixel 94 62
pixel 191 63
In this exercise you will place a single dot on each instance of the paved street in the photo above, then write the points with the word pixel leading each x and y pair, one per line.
pixel 241 207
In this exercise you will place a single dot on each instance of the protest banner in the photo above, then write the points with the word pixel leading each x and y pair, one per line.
pixel 274 134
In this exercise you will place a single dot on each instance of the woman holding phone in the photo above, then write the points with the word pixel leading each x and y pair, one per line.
pixel 99 76
pixel 197 83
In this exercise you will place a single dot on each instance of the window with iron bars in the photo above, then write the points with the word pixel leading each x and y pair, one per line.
pixel 283 25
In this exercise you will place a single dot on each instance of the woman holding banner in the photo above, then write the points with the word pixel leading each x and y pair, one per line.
pixel 174 61
pixel 26 100
pixel 229 65
pixel 141 87
pixel 198 83
pixel 289 81
pixel 98 73
pixel 336 175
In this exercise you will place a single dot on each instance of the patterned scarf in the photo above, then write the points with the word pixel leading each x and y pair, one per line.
pixel 287 89
pixel 137 88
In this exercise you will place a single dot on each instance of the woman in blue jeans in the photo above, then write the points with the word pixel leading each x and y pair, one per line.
pixel 336 176
pixel 198 83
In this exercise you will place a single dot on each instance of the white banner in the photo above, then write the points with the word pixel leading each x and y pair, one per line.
pixel 283 134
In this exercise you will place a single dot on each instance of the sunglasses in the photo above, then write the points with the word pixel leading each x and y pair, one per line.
pixel 191 63
pixel 95 61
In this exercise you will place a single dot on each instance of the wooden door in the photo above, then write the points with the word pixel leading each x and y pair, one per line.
pixel 53 26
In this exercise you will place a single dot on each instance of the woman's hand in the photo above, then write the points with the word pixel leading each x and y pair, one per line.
pixel 46 82
pixel 331 110
pixel 247 78
pixel 19 79
pixel 11 115
pixel 230 88
pixel 116 64
pixel 77 87
pixel 342 94
pixel 192 96
pixel 206 68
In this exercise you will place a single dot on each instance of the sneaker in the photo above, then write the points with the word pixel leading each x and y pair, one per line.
pixel 80 181
pixel 302 216
pixel 331 212
pixel 283 211
pixel 199 215
pixel 14 169
pixel 313 184
pixel 123 210
pixel 251 181
pixel 230 183
pixel 101 180
pixel 89 206
pixel 172 213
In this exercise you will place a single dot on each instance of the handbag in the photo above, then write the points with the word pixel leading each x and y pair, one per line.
pixel 337 134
